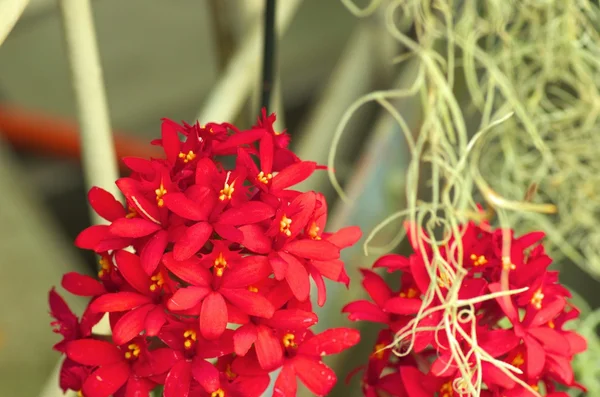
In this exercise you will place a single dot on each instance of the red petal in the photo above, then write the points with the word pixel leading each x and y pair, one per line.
pixel 159 361
pixel 249 302
pixel 293 175
pixel 155 320
pixel 250 270
pixel 331 341
pixel 292 319
pixel 345 237
pixel 255 239
pixel 549 311
pixel 411 378
pixel 131 324
pixel 106 380
pixel 184 207
pixel 137 164
pixel 266 153
pixel 186 298
pixel 130 267
pixel 243 338
pixel 392 262
pixel 577 343
pixel 404 306
pixel 444 366
pixel 205 170
pixel 320 250
pixel 320 283
pixel 506 304
pixel 363 310
pixel 144 207
pixel 285 385
pixel 279 266
pixel 177 383
pixel 492 375
pixel 529 239
pixel 118 302
pixel 189 270
pixel 296 277
pixel 561 368
pixel 315 375
pixel 376 287
pixel 90 237
pixel 138 387
pixel 82 285
pixel 134 227
pixel 535 358
pixel 240 138
pixel 59 309
pixel 329 269
pixel 498 342
pixel 153 251
pixel 192 241
pixel 250 212
pixel 105 204
pixel 552 340
pixel 213 316
pixel 268 349
pixel 93 352
pixel 229 232
pixel 170 140
pixel 206 374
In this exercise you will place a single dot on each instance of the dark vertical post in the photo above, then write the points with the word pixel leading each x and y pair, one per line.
pixel 268 54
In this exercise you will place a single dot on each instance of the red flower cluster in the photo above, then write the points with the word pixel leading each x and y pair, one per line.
pixel 201 246
pixel 507 336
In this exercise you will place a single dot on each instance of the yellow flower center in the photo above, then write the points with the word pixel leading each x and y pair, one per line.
pixel 157 282
pixel 252 288
pixel 446 390
pixel 507 264
pixel 104 266
pixel 132 212
pixel 478 260
pixel 289 340
pixel 218 393
pixel 551 324
pixel 190 339
pixel 220 265
pixel 264 178
pixel 160 192
pixel 133 351
pixel 187 157
pixel 284 226
pixel 313 231
pixel 229 373
pixel 518 361
pixel 537 299
pixel 410 293
pixel 378 351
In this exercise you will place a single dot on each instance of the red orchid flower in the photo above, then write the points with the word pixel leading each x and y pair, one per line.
pixel 303 354
pixel 214 294
pixel 116 366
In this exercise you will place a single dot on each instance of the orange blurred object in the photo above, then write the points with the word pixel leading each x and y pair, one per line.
pixel 51 135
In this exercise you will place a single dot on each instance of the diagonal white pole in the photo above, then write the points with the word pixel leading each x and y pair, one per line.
pixel 10 12
pixel 98 153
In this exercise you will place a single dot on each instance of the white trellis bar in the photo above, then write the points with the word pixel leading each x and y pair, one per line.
pixel 98 154
pixel 10 12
